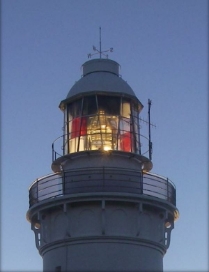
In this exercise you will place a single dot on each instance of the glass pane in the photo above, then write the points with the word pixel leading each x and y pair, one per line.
pixel 79 127
pixel 89 105
pixel 104 123
pixel 74 109
pixel 109 104
pixel 125 134
pixel 136 131
pixel 125 108
pixel 74 124
pixel 65 138
pixel 102 131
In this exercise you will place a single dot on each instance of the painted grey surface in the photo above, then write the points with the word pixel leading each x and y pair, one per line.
pixel 108 231
pixel 102 231
pixel 101 76
pixel 103 235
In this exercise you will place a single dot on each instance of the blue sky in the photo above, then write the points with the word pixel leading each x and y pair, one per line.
pixel 161 46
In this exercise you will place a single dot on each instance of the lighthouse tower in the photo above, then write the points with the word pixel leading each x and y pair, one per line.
pixel 102 209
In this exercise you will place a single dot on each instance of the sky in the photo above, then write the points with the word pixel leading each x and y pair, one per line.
pixel 162 49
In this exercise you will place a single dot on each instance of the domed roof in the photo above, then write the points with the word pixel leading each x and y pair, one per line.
pixel 100 75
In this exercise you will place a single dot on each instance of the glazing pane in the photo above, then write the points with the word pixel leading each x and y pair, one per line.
pixel 125 108
pixel 104 123
pixel 109 104
pixel 125 134
pixel 89 105
pixel 136 131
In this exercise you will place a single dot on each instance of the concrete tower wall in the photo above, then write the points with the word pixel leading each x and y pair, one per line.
pixel 107 234
pixel 90 230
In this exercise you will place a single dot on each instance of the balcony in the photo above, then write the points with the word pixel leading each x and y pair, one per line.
pixel 101 180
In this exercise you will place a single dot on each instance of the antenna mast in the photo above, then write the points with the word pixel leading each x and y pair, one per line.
pixel 150 143
pixel 100 43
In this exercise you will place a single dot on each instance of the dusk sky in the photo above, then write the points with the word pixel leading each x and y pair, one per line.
pixel 162 48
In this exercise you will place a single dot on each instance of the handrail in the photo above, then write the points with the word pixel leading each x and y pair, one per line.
pixel 56 145
pixel 101 179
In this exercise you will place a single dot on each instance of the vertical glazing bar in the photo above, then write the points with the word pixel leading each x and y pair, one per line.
pixel 133 135
pixel 138 131
pixel 67 130
pixel 79 136
pixel 98 115
pixel 119 121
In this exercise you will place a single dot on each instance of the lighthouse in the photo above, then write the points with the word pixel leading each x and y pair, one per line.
pixel 102 209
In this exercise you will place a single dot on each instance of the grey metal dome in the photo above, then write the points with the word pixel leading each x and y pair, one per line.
pixel 101 75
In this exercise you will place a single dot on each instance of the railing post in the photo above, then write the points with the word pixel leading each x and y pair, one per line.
pixel 141 181
pixel 63 182
pixel 63 144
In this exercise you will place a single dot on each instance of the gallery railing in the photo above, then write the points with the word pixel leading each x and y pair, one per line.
pixel 101 179
pixel 61 145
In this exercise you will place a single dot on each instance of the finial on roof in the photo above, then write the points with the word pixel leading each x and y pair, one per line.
pixel 100 52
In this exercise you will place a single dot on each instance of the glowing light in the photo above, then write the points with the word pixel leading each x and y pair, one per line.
pixel 107 148
pixel 100 126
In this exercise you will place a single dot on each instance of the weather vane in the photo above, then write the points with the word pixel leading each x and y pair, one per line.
pixel 100 52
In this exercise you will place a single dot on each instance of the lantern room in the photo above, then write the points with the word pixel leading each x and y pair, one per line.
pixel 101 111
